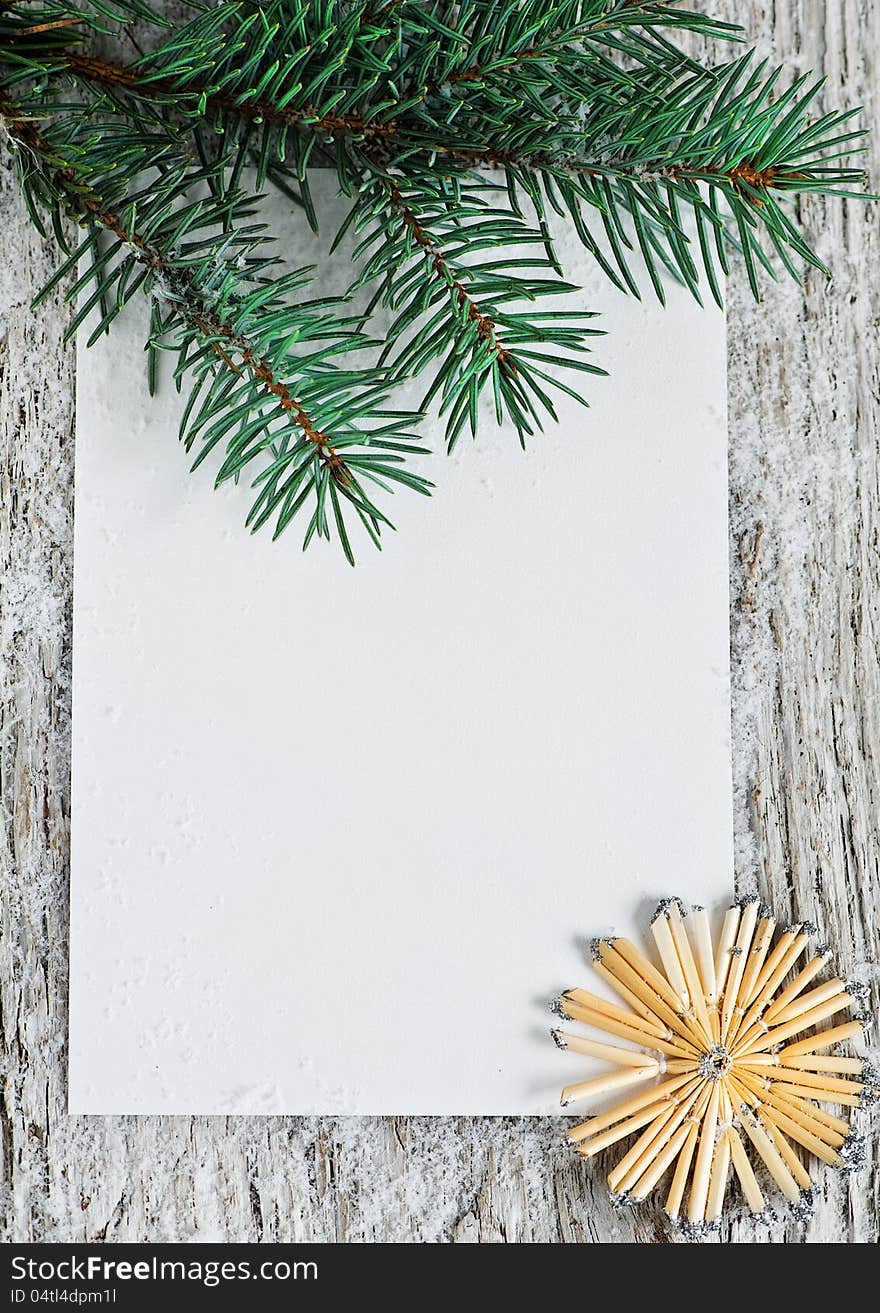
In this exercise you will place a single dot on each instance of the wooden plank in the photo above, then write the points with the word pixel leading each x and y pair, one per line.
pixel 805 585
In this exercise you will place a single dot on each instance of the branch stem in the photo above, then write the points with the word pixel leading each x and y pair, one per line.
pixel 433 253
pixel 377 135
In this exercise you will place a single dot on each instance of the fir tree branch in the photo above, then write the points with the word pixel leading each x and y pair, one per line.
pixel 338 464
pixel 586 107
pixel 483 324
pixel 737 122
pixel 125 77
pixel 607 16
pixel 102 72
pixel 186 298
pixel 457 313
pixel 743 174
pixel 599 23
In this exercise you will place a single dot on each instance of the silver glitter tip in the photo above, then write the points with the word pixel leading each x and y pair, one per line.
pixel 558 1038
pixel 694 1232
pixel 870 1095
pixel 853 1154
pixel 748 900
pixel 664 905
pixel 595 943
pixel 861 996
pixel 802 1209
pixel 557 1007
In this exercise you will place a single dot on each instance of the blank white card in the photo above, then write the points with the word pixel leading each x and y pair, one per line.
pixel 339 835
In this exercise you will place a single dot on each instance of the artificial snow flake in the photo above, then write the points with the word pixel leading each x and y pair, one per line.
pixel 723 1040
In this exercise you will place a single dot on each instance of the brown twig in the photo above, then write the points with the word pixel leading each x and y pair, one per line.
pixel 106 73
pixel 478 71
pixel 485 325
pixel 759 179
pixel 744 172
pixel 46 27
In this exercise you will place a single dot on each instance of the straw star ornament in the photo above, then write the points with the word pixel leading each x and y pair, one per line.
pixel 733 1068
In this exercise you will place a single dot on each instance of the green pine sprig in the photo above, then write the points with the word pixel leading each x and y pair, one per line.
pixel 264 360
pixel 461 134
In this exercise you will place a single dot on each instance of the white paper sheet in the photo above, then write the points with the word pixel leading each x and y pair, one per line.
pixel 338 835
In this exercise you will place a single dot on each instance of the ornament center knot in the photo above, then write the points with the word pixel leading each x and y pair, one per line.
pixel 715 1063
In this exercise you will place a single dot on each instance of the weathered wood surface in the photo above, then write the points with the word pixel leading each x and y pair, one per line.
pixel 805 582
